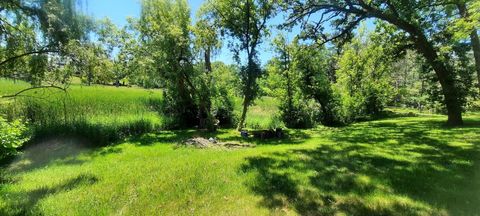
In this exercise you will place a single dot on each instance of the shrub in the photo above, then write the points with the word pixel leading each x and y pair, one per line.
pixel 299 115
pixel 473 106
pixel 222 108
pixel 12 136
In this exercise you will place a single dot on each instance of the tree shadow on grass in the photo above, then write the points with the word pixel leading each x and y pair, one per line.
pixel 24 203
pixel 290 137
pixel 379 168
pixel 59 151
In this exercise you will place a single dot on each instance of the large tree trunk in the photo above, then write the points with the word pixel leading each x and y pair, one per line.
pixel 208 62
pixel 445 76
pixel 444 73
pixel 241 124
pixel 205 106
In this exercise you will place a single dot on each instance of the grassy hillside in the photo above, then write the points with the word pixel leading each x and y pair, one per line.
pixel 398 166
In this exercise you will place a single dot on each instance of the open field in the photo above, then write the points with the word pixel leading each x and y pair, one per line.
pixel 396 166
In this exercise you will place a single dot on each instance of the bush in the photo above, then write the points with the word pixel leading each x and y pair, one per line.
pixel 12 136
pixel 300 115
pixel 222 108
pixel 473 106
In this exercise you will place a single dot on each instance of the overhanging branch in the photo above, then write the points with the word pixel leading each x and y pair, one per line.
pixel 32 88
pixel 27 54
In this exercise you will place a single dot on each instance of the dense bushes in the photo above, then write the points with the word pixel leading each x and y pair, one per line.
pixel 302 114
pixel 347 86
pixel 12 136
pixel 363 78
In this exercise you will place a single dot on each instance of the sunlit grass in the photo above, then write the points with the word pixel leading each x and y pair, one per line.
pixel 102 113
pixel 264 114
pixel 397 166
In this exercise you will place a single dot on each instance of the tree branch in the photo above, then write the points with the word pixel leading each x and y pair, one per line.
pixel 27 54
pixel 32 88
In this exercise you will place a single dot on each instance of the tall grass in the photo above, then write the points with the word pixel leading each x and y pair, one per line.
pixel 264 114
pixel 102 114
pixel 105 114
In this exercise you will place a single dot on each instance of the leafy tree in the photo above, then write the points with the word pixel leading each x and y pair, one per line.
pixel 313 63
pixel 165 32
pixel 246 22
pixel 118 45
pixel 88 61
pixel 284 81
pixel 408 81
pixel 364 77
pixel 206 43
pixel 43 29
pixel 424 23
pixel 467 26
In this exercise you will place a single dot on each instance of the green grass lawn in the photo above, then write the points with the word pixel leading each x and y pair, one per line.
pixel 396 166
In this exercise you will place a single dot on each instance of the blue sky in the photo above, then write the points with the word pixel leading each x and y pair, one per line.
pixel 119 10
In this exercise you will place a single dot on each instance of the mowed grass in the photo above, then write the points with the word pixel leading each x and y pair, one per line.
pixel 396 166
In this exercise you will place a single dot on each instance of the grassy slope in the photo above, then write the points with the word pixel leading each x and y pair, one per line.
pixel 401 166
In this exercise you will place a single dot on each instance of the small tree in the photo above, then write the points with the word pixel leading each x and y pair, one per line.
pixel 284 81
pixel 166 37
pixel 246 22
pixel 313 64
pixel 364 77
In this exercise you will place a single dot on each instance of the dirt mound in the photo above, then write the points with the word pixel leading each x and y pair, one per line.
pixel 200 142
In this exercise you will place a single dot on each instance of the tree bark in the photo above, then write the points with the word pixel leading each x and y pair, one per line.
pixel 241 124
pixel 446 78
pixel 208 62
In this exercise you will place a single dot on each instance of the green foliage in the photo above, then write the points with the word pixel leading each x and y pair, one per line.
pixel 408 82
pixel 36 36
pixel 363 78
pixel 423 27
pixel 12 136
pixel 462 27
pixel 165 28
pixel 246 24
pixel 316 81
pixel 284 82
